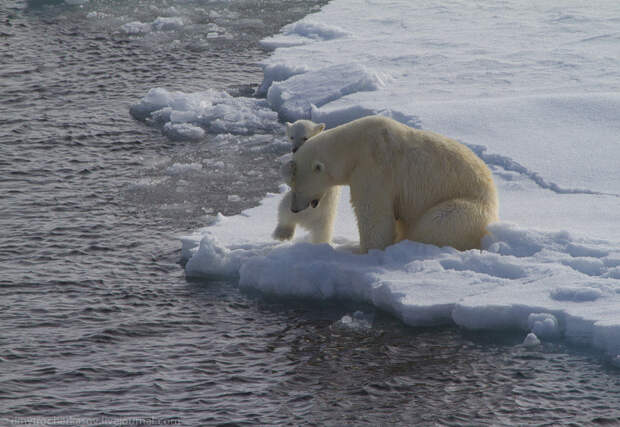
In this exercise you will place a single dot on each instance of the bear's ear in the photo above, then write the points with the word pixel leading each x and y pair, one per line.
pixel 318 167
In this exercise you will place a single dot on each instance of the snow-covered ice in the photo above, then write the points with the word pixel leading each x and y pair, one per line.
pixel 293 101
pixel 523 279
pixel 531 340
pixel 187 115
pixel 161 23
pixel 183 168
pixel 358 321
pixel 303 32
pixel 531 88
pixel 136 27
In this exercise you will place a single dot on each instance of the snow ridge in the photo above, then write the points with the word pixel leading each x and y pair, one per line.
pixel 511 165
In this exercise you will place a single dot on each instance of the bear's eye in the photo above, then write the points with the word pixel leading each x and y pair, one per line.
pixel 292 138
pixel 305 139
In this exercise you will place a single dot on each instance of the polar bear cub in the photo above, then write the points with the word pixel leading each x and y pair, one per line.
pixel 405 183
pixel 301 131
pixel 319 220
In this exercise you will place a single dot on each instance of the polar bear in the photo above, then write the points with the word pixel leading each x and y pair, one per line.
pixel 320 221
pixel 301 131
pixel 405 183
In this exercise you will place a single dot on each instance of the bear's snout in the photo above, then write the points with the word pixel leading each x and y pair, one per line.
pixel 296 206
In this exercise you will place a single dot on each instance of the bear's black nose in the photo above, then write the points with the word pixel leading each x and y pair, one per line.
pixel 314 203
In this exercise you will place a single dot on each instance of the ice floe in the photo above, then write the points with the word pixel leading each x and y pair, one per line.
pixel 542 115
pixel 522 279
pixel 189 115
pixel 302 32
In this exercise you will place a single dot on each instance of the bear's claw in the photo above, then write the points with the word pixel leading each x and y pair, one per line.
pixel 283 232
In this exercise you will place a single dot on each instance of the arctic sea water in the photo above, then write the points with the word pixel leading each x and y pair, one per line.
pixel 100 325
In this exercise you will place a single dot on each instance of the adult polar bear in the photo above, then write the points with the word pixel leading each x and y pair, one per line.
pixel 320 221
pixel 405 183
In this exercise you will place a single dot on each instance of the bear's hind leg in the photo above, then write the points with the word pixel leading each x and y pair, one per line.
pixel 460 223
pixel 401 231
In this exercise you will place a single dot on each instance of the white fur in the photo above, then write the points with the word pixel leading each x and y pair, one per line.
pixel 405 183
pixel 301 131
pixel 319 221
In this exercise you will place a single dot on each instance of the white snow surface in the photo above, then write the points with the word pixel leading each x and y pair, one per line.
pixel 159 24
pixel 302 32
pixel 186 115
pixel 532 88
pixel 531 340
pixel 183 168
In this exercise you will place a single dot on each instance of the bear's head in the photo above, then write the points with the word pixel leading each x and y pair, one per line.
pixel 310 178
pixel 301 131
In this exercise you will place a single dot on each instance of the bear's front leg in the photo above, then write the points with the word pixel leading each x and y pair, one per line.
pixel 285 230
pixel 375 218
pixel 320 221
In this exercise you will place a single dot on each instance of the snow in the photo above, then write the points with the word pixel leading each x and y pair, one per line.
pixel 136 27
pixel 543 324
pixel 183 131
pixel 531 88
pixel 161 23
pixel 523 279
pixel 531 340
pixel 167 23
pixel 189 115
pixel 183 168
pixel 358 321
pixel 303 32
pixel 290 97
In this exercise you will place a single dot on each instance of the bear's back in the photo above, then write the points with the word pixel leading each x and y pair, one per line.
pixel 426 163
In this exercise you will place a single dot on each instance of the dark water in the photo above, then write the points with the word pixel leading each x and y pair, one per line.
pixel 98 325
